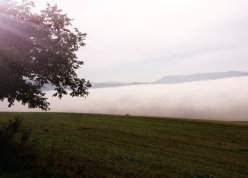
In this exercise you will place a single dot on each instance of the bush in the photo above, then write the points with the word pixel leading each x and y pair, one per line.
pixel 18 158
pixel 13 142
pixel 8 136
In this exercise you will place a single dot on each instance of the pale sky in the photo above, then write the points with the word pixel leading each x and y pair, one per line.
pixel 143 40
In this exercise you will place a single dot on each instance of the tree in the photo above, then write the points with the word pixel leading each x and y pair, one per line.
pixel 38 49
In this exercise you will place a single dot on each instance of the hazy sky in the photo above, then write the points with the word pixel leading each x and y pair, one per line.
pixel 143 40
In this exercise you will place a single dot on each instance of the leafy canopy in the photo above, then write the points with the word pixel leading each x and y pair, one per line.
pixel 38 49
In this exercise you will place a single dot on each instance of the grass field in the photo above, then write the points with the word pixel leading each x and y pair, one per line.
pixel 127 146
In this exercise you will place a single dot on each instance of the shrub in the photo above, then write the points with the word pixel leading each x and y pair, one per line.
pixel 10 134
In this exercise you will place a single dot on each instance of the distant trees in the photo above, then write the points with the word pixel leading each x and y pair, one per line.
pixel 38 49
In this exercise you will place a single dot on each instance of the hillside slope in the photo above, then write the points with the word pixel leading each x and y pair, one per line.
pixel 127 146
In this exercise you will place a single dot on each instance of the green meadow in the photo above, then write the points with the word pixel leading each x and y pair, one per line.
pixel 92 145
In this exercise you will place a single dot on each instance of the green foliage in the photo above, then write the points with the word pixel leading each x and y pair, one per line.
pixel 38 49
pixel 90 145
pixel 9 133
pixel 13 145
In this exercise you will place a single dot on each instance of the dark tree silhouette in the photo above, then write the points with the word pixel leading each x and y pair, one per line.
pixel 38 48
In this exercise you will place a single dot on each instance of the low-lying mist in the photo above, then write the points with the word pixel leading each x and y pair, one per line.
pixel 225 99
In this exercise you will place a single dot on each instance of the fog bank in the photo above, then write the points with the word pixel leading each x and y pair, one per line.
pixel 225 99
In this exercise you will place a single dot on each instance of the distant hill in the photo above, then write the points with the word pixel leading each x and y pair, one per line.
pixel 199 77
pixel 177 79
pixel 113 84
pixel 172 79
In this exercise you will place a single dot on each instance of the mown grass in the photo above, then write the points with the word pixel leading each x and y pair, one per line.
pixel 92 145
